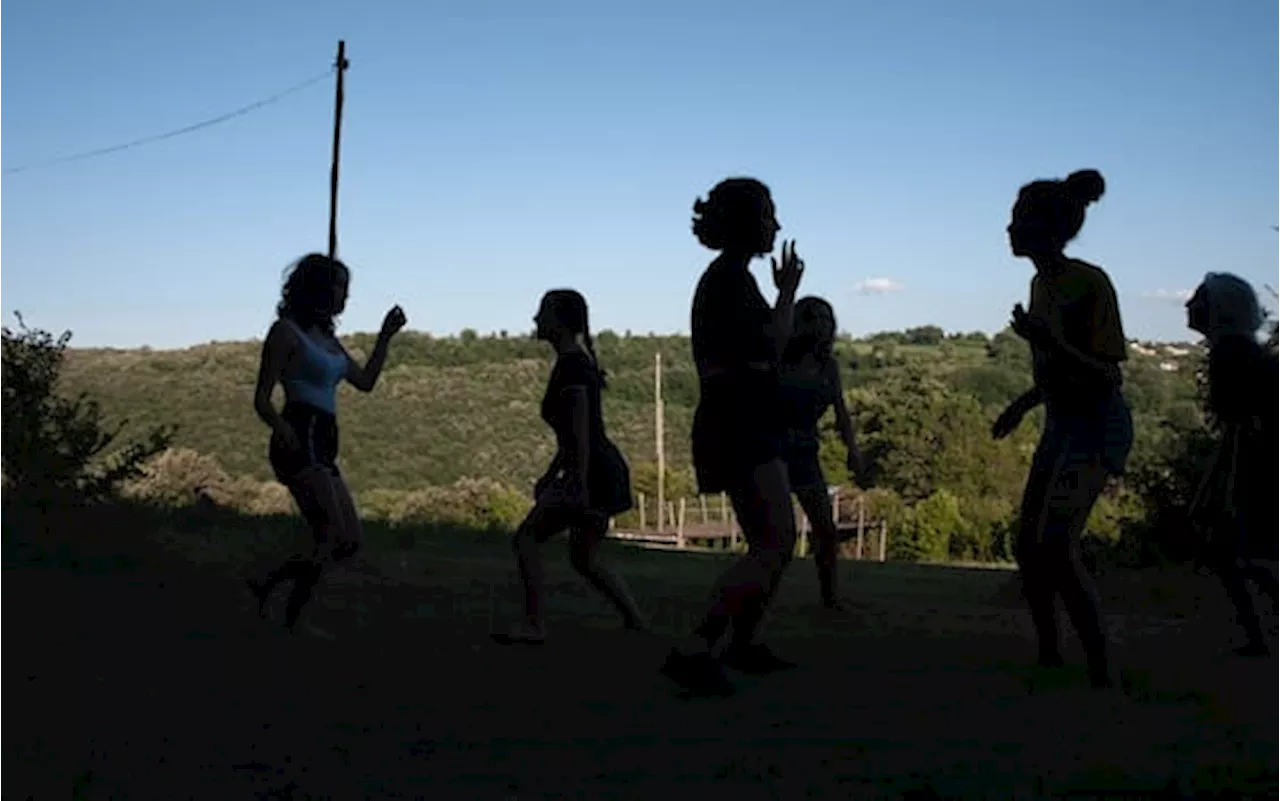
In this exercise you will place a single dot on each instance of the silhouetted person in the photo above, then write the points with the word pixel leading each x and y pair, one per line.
pixel 302 353
pixel 1077 344
pixel 1235 501
pixel 738 431
pixel 810 383
pixel 587 482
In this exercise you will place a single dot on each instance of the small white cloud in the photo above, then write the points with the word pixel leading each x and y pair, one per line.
pixel 878 286
pixel 1170 295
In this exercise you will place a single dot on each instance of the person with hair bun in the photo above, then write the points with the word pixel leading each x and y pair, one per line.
pixel 1077 344
pixel 1235 502
pixel 738 436
pixel 588 480
pixel 302 353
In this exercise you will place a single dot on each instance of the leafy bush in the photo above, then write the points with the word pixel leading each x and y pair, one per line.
pixel 55 447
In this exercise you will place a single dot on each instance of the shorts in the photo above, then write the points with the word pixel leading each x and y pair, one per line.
pixel 317 432
pixel 804 471
pixel 736 429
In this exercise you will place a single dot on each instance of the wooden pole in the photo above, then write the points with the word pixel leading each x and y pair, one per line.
pixel 862 521
pixel 658 435
pixel 702 501
pixel 884 536
pixel 642 511
pixel 341 65
pixel 680 526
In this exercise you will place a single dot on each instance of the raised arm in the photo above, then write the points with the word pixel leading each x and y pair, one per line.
pixel 786 277
pixel 366 378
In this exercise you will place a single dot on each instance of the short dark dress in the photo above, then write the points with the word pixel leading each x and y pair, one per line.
pixel 1243 394
pixel 608 477
pixel 806 397
pixel 738 423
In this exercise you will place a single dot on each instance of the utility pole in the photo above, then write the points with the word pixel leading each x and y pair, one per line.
pixel 341 65
pixel 658 411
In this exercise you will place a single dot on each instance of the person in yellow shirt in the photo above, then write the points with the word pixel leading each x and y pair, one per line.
pixel 1077 344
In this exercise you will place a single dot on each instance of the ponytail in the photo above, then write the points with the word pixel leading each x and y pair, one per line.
pixel 595 360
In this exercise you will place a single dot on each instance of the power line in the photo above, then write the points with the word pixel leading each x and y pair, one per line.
pixel 179 131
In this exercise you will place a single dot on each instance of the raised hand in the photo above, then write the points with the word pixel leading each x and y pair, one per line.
pixel 787 275
pixel 393 322
pixel 1024 325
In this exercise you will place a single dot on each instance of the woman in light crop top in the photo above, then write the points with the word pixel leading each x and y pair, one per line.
pixel 302 354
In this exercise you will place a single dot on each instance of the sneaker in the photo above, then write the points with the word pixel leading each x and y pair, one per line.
pixel 700 674
pixel 755 659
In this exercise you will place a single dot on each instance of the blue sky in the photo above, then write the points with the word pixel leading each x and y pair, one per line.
pixel 492 150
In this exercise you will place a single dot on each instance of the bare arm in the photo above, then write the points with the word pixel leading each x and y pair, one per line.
pixel 1029 399
pixel 844 422
pixel 275 355
pixel 366 378
pixel 783 318
pixel 578 457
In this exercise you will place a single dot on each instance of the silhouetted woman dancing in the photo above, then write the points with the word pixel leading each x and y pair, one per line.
pixel 810 382
pixel 738 435
pixel 1077 344
pixel 588 481
pixel 303 354
pixel 1236 500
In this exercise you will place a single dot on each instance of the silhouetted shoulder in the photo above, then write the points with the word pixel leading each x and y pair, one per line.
pixel 1240 374
pixel 574 369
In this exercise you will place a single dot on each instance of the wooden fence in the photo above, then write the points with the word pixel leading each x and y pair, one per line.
pixel 709 524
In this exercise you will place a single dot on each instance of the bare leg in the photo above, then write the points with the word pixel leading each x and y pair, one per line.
pixel 540 524
pixel 1071 499
pixel 314 491
pixel 584 547
pixel 768 524
pixel 1039 582
pixel 822 537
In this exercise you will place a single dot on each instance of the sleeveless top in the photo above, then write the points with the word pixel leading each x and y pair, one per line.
pixel 805 396
pixel 313 373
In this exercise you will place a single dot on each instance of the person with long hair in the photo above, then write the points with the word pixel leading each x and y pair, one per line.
pixel 1235 502
pixel 810 383
pixel 1077 344
pixel 738 432
pixel 302 353
pixel 588 480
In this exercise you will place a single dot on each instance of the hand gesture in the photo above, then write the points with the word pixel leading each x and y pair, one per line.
pixel 1024 325
pixel 393 322
pixel 1008 421
pixel 786 276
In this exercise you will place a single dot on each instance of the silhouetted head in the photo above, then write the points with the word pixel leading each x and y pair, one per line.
pixel 315 291
pixel 562 319
pixel 1224 304
pixel 813 332
pixel 737 217
pixel 1049 214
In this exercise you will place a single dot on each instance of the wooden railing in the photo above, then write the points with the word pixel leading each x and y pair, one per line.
pixel 709 524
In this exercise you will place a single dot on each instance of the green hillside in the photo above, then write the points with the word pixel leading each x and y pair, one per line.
pixel 467 408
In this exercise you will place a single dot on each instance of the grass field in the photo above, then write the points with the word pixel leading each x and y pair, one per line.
pixel 147 674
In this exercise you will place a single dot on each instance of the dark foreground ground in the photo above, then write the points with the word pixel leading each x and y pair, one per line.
pixel 152 677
